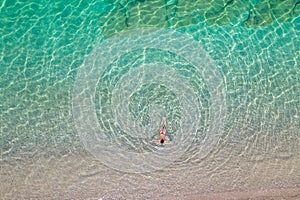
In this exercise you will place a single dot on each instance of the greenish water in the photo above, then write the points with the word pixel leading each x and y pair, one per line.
pixel 255 48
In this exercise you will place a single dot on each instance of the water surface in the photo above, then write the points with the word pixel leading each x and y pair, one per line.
pixel 231 98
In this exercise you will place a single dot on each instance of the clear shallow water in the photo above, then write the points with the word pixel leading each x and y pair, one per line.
pixel 44 46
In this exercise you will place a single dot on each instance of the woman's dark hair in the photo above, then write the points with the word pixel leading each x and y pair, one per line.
pixel 162 141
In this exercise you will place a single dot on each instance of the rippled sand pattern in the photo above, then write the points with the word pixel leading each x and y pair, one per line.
pixel 237 140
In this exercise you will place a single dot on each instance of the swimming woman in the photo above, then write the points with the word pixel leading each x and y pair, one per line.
pixel 163 130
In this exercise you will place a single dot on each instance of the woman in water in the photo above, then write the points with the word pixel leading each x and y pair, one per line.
pixel 162 132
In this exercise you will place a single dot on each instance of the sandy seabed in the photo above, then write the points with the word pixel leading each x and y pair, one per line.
pixel 272 194
pixel 83 177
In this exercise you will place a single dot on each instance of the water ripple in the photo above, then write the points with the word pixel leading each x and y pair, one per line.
pixel 129 83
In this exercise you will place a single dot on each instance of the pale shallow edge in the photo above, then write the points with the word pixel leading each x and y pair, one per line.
pixel 270 194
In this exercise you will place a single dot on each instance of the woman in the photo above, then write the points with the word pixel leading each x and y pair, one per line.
pixel 162 132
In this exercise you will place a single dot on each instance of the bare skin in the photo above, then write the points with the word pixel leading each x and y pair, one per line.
pixel 163 131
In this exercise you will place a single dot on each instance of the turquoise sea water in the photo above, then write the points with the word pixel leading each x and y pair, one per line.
pixel 241 135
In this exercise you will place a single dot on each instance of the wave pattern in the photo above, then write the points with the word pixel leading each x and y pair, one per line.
pixel 128 84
